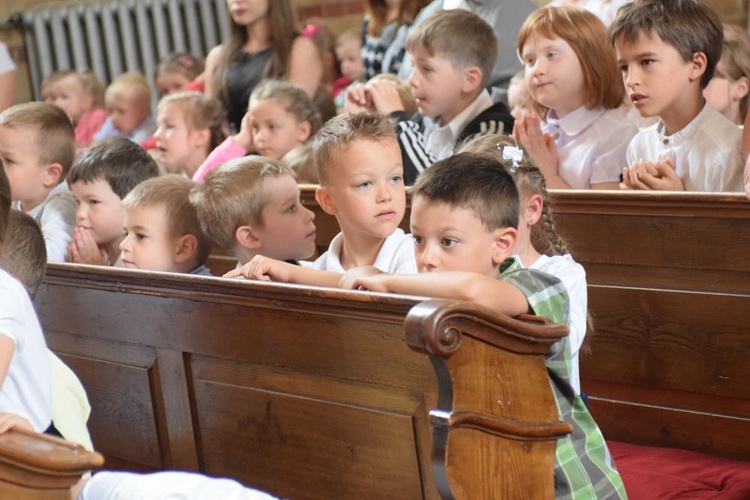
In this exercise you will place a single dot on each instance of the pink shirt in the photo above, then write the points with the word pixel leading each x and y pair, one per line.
pixel 227 150
pixel 89 124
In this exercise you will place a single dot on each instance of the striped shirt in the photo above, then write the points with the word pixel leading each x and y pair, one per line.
pixel 584 468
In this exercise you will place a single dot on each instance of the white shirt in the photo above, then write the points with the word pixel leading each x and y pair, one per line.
pixel 573 277
pixel 591 145
pixel 6 62
pixel 26 390
pixel 706 151
pixel 396 256
pixel 440 141
pixel 56 216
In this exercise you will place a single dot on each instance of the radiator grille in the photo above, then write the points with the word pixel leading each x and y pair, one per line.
pixel 117 36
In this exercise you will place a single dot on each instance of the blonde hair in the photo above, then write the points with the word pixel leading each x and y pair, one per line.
pixel 405 94
pixel 735 60
pixel 587 36
pixel 54 136
pixel 353 34
pixel 292 98
pixel 172 193
pixel 232 196
pixel 130 85
pixel 89 83
pixel 201 112
pixel 300 159
pixel 340 132
pixel 460 36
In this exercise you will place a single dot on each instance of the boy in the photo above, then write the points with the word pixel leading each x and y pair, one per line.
pixel 162 232
pixel 37 147
pixel 359 166
pixel 668 50
pixel 453 53
pixel 128 100
pixel 99 179
pixel 251 206
pixel 463 221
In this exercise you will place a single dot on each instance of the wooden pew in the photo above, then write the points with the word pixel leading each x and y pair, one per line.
pixel 307 393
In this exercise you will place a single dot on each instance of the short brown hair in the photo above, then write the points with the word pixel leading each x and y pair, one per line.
pixel 120 162
pixel 689 26
pixel 340 132
pixel 232 196
pixel 172 193
pixel 735 60
pixel 88 82
pixel 474 182
pixel 292 98
pixel 54 135
pixel 201 112
pixel 460 36
pixel 587 36
pixel 24 254
pixel 132 85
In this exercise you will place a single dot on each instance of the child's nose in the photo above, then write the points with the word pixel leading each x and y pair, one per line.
pixel 427 258
pixel 125 244
pixel 384 192
pixel 81 213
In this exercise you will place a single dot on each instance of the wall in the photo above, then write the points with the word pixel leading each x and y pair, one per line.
pixel 339 15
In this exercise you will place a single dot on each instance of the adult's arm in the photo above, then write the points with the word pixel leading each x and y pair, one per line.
pixel 305 65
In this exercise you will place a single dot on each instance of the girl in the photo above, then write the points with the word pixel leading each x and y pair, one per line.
pixel 81 95
pixel 262 43
pixel 538 245
pixel 280 117
pixel 572 76
pixel 179 72
pixel 729 90
pixel 190 126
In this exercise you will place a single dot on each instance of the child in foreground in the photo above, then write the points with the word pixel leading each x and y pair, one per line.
pixel 162 232
pixel 463 220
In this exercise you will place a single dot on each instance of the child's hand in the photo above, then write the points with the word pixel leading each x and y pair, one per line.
pixel 350 277
pixel 358 99
pixel 84 250
pixel 374 283
pixel 244 138
pixel 10 421
pixel 649 175
pixel 384 96
pixel 541 146
pixel 264 269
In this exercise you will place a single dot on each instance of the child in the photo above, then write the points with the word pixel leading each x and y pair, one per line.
pixel 519 99
pixel 453 53
pixel 128 100
pixel 571 74
pixel 162 232
pixel 81 95
pixel 47 86
pixel 280 117
pixel 191 125
pixel 360 171
pixel 300 160
pixel 178 72
pixel 349 54
pixel 693 147
pixel 99 179
pixel 463 219
pixel 252 205
pixel 538 245
pixel 37 147
pixel 729 90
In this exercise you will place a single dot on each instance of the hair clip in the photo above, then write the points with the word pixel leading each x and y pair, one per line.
pixel 311 30
pixel 515 154
pixel 185 61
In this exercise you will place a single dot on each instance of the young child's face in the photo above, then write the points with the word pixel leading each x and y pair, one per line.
pixel 171 82
pixel 99 210
pixel 288 231
pixel 71 98
pixel 148 243
pixel 366 188
pixel 553 73
pixel 518 97
pixel 349 54
pixel 437 85
pixel 180 147
pixel 126 113
pixel 448 238
pixel 657 79
pixel 275 131
pixel 48 92
pixel 29 178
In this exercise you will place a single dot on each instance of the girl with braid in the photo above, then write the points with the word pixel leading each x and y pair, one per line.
pixel 538 244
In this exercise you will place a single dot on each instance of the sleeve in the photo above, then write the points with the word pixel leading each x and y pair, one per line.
pixel 227 150
pixel 403 260
pixel 11 320
pixel 726 172
pixel 6 61
pixel 414 153
pixel 57 220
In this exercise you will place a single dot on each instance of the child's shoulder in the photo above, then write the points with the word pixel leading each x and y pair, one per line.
pixel 562 266
pixel 546 294
pixel 493 119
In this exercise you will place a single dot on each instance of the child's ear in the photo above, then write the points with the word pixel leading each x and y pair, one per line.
pixel 503 241
pixel 325 200
pixel 304 129
pixel 532 209
pixel 202 137
pixel 52 175
pixel 740 88
pixel 698 66
pixel 472 79
pixel 245 236
pixel 186 247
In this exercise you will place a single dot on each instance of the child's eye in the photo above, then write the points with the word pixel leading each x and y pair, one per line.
pixel 647 62
pixel 448 242
pixel 529 61
pixel 140 236
pixel 551 55
pixel 396 179
pixel 292 208
pixel 418 240
pixel 623 68
pixel 364 184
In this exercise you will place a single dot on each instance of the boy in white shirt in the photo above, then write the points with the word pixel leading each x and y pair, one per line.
pixel 361 183
pixel 37 147
pixel 668 51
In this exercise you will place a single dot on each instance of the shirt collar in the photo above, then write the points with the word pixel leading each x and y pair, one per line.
pixel 688 130
pixel 576 121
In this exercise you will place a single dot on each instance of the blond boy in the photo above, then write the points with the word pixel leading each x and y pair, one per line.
pixel 162 232
pixel 464 218
pixel 37 147
pixel 361 183
pixel 128 100
pixel 251 206
pixel 99 179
